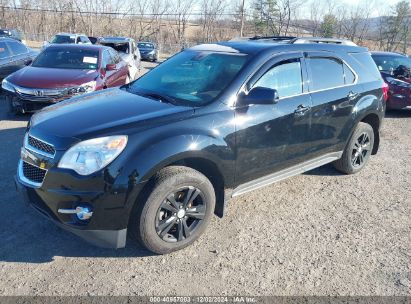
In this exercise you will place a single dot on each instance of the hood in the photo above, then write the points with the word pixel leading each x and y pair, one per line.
pixel 49 78
pixel 99 114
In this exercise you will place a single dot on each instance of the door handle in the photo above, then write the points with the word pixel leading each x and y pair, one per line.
pixel 301 110
pixel 352 95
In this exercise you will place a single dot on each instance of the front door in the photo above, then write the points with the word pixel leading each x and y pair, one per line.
pixel 273 137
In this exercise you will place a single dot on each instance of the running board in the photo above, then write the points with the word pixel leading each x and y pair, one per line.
pixel 286 173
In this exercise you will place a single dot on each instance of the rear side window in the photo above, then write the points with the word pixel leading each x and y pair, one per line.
pixel 326 73
pixel 17 48
pixel 285 77
pixel 4 51
pixel 369 71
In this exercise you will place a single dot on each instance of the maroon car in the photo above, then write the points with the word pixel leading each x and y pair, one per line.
pixel 396 71
pixel 62 71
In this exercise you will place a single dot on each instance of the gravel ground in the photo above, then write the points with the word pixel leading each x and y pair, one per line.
pixel 320 233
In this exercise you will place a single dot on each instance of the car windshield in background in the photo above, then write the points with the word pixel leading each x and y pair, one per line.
pixel 63 39
pixel 388 63
pixel 119 47
pixel 143 45
pixel 67 59
pixel 190 77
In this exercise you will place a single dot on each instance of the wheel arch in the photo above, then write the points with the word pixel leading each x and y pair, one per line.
pixel 374 121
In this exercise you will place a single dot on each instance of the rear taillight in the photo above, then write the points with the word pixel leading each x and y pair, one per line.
pixel 385 89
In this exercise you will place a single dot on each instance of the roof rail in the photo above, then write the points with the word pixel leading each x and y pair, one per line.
pixel 322 40
pixel 275 38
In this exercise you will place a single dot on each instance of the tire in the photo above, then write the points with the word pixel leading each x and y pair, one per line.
pixel 358 150
pixel 149 217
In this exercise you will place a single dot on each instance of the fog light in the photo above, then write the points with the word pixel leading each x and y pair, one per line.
pixel 83 213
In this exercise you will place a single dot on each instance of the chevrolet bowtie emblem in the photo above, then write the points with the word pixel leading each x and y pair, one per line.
pixel 42 165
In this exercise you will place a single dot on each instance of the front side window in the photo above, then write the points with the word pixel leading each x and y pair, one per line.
pixel 17 48
pixel 4 51
pixel 67 59
pixel 285 77
pixel 191 77
pixel 326 73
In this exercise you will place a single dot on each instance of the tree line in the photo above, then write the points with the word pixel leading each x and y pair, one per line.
pixel 180 23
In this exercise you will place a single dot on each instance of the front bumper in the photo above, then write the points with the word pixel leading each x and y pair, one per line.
pixel 148 56
pixel 399 101
pixel 47 202
pixel 27 106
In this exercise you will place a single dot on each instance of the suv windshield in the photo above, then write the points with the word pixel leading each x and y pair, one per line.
pixel 67 59
pixel 144 45
pixel 63 39
pixel 191 77
pixel 388 63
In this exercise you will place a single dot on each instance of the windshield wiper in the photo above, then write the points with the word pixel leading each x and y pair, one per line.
pixel 160 97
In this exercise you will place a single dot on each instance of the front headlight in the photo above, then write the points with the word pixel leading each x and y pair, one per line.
pixel 88 87
pixel 7 86
pixel 152 52
pixel 92 155
pixel 84 88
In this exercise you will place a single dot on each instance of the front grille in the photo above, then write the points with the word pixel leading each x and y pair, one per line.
pixel 33 173
pixel 41 145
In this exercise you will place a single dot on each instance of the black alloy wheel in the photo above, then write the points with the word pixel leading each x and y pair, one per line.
pixel 361 150
pixel 180 214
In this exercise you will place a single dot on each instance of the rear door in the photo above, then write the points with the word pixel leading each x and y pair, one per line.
pixel 334 92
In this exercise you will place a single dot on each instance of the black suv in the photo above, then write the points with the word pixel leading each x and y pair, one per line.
pixel 157 157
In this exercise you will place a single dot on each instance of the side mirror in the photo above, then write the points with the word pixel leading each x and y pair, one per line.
pixel 111 67
pixel 258 95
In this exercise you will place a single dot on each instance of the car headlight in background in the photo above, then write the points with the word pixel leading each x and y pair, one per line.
pixel 92 155
pixel 84 88
pixel 7 86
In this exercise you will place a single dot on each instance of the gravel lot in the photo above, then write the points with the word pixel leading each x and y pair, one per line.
pixel 320 233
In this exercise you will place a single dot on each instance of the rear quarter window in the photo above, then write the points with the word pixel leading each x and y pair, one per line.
pixel 369 70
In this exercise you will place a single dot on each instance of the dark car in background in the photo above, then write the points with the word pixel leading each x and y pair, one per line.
pixel 14 55
pixel 148 51
pixel 396 71
pixel 11 33
pixel 157 157
pixel 63 71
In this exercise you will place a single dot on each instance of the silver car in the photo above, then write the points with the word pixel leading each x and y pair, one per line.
pixel 128 51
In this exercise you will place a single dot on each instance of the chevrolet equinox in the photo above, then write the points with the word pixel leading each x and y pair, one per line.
pixel 156 158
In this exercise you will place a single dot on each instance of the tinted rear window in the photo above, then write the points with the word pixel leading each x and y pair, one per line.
pixel 369 69
pixel 63 39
